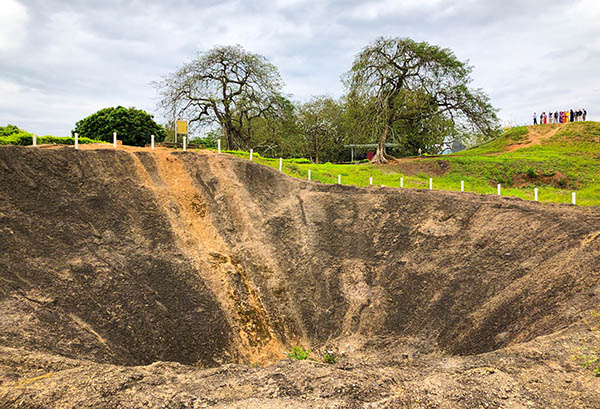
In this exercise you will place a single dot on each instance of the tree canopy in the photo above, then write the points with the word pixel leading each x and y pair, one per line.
pixel 225 86
pixel 133 126
pixel 410 88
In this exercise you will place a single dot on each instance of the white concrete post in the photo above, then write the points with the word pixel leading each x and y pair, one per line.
pixel 401 182
pixel 573 198
pixel 76 140
pixel 339 179
pixel 430 183
pixel 535 194
pixel 184 143
pixel 309 174
pixel 34 140
pixel 370 181
pixel 462 185
pixel 152 141
pixel 280 164
pixel 251 152
pixel 498 189
pixel 115 140
pixel 218 146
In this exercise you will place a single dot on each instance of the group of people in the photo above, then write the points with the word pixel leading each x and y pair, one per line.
pixel 560 117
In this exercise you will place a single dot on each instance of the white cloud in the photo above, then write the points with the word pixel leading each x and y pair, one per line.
pixel 13 21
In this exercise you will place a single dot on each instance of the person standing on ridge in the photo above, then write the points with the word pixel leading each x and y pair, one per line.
pixel 550 117
pixel 534 118
pixel 584 114
pixel 541 118
pixel 556 117
pixel 572 119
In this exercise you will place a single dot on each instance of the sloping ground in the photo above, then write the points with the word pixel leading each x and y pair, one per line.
pixel 436 299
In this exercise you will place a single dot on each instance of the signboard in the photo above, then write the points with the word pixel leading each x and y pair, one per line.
pixel 182 127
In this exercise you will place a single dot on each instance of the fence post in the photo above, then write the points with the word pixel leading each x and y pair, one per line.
pixel 401 182
pixel 339 179
pixel 115 140
pixel 184 143
pixel 152 141
pixel 309 174
pixel 218 146
pixel 370 181
pixel 430 183
pixel 535 194
pixel 573 198
pixel 76 140
pixel 251 152
pixel 280 164
pixel 462 185
pixel 498 189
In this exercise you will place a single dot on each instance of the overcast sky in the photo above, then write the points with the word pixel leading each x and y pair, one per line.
pixel 63 60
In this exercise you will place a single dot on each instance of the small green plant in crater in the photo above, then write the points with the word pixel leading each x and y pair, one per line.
pixel 298 353
pixel 329 358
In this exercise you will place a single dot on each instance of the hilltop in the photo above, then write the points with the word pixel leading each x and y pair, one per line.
pixel 139 278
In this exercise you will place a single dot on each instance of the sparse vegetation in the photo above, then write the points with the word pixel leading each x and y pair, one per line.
pixel 298 353
pixel 589 352
pixel 329 358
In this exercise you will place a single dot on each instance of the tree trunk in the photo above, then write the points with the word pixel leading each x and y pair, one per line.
pixel 381 156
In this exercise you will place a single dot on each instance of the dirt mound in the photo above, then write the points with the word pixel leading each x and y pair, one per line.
pixel 130 257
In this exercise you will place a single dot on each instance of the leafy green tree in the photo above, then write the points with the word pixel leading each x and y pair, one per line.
pixel 226 86
pixel 401 81
pixel 133 126
pixel 276 134
pixel 321 122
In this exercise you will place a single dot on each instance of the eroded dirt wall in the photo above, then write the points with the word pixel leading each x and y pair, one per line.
pixel 131 257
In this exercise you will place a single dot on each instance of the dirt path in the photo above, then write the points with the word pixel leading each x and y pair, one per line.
pixel 536 135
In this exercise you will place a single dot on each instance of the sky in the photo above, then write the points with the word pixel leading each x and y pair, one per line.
pixel 61 61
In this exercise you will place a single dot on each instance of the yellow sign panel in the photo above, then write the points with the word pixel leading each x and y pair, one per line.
pixel 182 127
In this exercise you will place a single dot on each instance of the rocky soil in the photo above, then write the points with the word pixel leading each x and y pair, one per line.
pixel 132 278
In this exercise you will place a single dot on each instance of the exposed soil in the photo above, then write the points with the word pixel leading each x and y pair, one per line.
pixel 536 135
pixel 557 179
pixel 414 166
pixel 133 278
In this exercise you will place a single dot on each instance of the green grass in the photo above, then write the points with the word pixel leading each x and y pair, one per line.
pixel 572 155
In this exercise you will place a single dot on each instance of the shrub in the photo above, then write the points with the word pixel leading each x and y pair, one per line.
pixel 298 353
pixel 133 126
pixel 9 130
pixel 531 173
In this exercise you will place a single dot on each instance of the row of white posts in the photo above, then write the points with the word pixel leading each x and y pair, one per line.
pixel 76 136
pixel 462 183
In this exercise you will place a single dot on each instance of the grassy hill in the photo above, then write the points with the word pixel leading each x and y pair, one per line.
pixel 557 159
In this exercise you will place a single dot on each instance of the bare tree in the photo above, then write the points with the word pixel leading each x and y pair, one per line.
pixel 390 72
pixel 226 86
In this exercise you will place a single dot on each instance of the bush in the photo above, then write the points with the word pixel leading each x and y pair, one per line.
pixel 298 353
pixel 9 130
pixel 133 126
pixel 531 173
pixel 20 138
